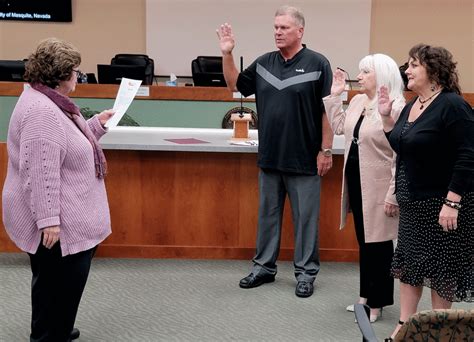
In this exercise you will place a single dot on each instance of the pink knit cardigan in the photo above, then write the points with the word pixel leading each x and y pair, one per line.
pixel 51 178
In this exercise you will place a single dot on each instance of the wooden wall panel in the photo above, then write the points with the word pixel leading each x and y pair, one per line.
pixel 199 205
pixel 204 205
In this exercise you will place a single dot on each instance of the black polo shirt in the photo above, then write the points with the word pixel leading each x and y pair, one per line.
pixel 289 105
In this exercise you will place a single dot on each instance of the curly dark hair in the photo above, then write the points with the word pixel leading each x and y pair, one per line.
pixel 52 62
pixel 439 64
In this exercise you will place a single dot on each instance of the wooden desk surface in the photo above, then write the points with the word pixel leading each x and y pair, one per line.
pixel 158 92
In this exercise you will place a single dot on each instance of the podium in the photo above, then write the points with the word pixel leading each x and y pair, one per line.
pixel 241 126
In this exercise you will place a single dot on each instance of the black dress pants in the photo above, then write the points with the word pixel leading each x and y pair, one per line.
pixel 56 290
pixel 375 258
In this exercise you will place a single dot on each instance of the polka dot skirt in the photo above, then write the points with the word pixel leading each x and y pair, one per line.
pixel 428 256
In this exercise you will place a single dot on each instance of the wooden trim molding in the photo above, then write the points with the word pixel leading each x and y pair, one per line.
pixel 158 92
pixel 190 252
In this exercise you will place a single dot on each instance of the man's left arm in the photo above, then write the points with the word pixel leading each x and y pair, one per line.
pixel 324 159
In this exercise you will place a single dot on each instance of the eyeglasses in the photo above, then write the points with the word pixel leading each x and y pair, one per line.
pixel 81 77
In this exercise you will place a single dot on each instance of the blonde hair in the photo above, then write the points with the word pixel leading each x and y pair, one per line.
pixel 387 73
pixel 52 62
pixel 293 12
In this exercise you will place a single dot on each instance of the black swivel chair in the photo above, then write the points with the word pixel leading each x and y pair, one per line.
pixel 91 79
pixel 362 314
pixel 139 60
pixel 207 71
pixel 12 70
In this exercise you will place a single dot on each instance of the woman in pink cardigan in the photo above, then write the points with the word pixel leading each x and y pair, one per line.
pixel 368 177
pixel 54 200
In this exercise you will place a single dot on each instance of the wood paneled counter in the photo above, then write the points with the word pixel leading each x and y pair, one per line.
pixel 203 205
pixel 188 202
pixel 172 200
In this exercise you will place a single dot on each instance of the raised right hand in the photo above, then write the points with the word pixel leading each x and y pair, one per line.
pixel 50 236
pixel 338 82
pixel 384 102
pixel 226 38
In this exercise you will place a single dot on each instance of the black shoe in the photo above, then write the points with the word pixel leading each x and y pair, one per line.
pixel 304 289
pixel 75 334
pixel 254 280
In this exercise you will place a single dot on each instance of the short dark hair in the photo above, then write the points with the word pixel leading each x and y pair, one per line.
pixel 52 62
pixel 439 65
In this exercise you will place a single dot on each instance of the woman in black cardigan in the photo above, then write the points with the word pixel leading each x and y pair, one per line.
pixel 434 142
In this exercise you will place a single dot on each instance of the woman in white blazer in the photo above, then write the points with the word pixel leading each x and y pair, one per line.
pixel 368 177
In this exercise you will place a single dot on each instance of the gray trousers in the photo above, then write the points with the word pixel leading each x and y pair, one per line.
pixel 304 194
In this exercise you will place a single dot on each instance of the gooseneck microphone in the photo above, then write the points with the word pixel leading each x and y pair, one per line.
pixel 348 77
pixel 241 115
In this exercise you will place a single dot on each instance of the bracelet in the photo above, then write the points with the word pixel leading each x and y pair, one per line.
pixel 452 204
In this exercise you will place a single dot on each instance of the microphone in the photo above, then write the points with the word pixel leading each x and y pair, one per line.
pixel 348 77
pixel 241 115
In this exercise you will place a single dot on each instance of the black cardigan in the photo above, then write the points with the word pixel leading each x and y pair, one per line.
pixel 438 149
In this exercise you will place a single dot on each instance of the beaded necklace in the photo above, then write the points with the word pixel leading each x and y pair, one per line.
pixel 429 98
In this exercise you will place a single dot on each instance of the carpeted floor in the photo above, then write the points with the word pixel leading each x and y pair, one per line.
pixel 197 300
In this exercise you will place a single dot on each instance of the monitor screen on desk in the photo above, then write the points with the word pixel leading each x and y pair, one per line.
pixel 209 79
pixel 12 71
pixel 112 74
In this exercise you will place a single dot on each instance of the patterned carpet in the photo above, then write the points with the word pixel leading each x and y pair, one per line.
pixel 196 300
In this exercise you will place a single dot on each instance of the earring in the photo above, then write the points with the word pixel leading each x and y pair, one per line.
pixel 433 88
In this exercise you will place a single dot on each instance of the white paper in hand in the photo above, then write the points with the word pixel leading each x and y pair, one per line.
pixel 126 93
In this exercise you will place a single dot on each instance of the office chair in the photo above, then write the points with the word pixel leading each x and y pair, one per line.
pixel 12 70
pixel 91 79
pixel 207 71
pixel 362 314
pixel 428 325
pixel 438 325
pixel 139 60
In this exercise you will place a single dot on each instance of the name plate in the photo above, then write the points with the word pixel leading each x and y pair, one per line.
pixel 237 95
pixel 143 91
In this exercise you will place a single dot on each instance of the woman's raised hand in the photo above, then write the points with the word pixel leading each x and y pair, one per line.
pixel 384 102
pixel 338 82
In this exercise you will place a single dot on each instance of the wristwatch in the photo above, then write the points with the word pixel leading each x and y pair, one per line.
pixel 327 152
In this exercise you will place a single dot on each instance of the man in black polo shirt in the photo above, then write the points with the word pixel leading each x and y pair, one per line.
pixel 295 142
